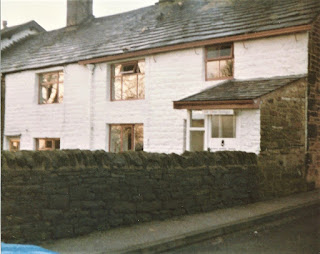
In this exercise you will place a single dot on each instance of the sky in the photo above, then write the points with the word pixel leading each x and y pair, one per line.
pixel 51 14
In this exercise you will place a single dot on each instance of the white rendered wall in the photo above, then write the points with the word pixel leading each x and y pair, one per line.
pixel 275 56
pixel 16 37
pixel 67 121
pixel 82 120
pixel 247 136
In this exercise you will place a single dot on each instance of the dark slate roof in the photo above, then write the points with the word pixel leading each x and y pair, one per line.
pixel 9 31
pixel 157 26
pixel 241 89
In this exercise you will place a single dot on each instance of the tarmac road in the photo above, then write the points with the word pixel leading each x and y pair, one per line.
pixel 295 234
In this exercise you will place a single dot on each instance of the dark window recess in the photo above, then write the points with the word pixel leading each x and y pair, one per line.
pixel 43 144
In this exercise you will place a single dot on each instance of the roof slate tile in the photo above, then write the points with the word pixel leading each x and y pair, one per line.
pixel 147 28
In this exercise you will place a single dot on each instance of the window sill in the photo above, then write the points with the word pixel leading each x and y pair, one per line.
pixel 50 103
pixel 129 100
pixel 217 79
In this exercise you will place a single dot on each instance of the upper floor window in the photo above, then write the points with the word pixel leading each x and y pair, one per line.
pixel 43 144
pixel 219 62
pixel 127 80
pixel 51 87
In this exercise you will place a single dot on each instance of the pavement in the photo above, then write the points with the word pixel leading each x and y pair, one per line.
pixel 161 236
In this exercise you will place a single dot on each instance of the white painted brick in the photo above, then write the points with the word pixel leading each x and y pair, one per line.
pixel 169 77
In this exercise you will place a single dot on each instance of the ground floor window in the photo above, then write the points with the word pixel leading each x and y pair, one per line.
pixel 126 137
pixel 197 130
pixel 14 144
pixel 43 144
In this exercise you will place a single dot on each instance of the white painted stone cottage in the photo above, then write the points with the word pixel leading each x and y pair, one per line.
pixel 179 75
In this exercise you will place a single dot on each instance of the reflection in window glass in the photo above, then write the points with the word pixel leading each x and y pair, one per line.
pixel 117 89
pixel 197 119
pixel 115 142
pixel 51 88
pixel 213 69
pixel 223 126
pixel 227 126
pixel 129 87
pixel 225 50
pixel 138 137
pixel 14 144
pixel 128 81
pixel 141 86
pixel 219 61
pixel 126 137
pixel 226 68
pixel 215 127
pixel 196 141
pixel 212 52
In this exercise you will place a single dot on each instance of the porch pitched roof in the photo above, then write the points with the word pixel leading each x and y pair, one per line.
pixel 234 93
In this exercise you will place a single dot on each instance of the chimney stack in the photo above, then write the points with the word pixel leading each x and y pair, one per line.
pixel 4 24
pixel 78 11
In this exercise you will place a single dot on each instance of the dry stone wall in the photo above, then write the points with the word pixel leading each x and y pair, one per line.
pixel 59 194
pixel 313 154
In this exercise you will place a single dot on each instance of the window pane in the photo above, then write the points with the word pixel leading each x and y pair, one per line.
pixel 213 69
pixel 227 126
pixel 14 145
pixel 215 127
pixel 41 144
pixel 43 95
pixel 57 144
pixel 127 138
pixel 48 143
pixel 197 123
pixel 141 65
pixel 212 52
pixel 141 86
pixel 129 87
pixel 116 69
pixel 196 141
pixel 115 138
pixel 225 50
pixel 61 93
pixel 51 87
pixel 138 137
pixel 197 119
pixel 226 68
pixel 116 89
pixel 53 93
pixel 61 77
pixel 128 68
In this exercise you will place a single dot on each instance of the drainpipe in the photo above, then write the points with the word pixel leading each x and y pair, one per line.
pixel 91 68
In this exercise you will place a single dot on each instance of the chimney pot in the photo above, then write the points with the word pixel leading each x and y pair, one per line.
pixel 4 24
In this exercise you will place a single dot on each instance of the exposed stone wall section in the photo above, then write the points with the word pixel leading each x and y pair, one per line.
pixel 313 154
pixel 283 138
pixel 3 90
pixel 51 195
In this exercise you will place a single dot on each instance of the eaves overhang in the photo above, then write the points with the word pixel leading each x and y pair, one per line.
pixel 227 104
